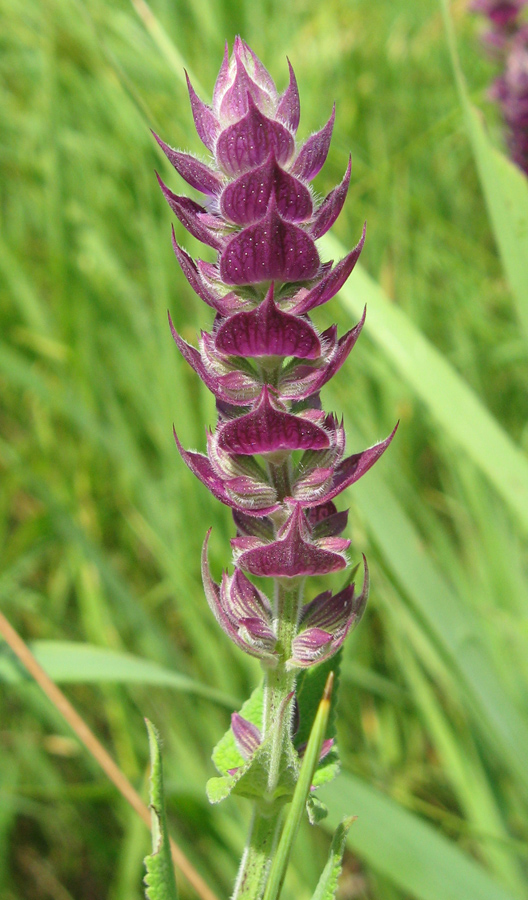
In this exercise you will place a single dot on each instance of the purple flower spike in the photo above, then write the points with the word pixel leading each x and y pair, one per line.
pixel 508 38
pixel 275 457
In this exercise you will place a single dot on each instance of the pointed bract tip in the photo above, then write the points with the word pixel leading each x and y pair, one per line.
pixel 329 686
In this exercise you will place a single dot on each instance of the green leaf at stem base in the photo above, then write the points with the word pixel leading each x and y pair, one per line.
pixel 159 880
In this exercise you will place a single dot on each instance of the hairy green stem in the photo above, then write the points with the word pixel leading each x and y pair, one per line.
pixel 280 681
pixel 258 853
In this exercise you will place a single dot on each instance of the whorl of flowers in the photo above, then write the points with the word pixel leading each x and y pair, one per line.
pixel 275 457
pixel 508 40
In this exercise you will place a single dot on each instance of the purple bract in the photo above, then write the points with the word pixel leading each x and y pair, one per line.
pixel 275 457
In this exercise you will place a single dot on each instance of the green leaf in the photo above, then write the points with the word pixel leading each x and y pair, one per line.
pixel 68 662
pixel 251 776
pixel 159 880
pixel 405 849
pixel 327 886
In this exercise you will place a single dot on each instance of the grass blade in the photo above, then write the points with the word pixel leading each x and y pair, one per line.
pixel 405 849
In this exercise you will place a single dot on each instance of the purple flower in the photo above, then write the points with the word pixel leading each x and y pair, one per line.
pixel 508 37
pixel 275 457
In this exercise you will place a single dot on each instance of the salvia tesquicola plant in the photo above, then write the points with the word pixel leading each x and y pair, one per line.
pixel 507 40
pixel 275 457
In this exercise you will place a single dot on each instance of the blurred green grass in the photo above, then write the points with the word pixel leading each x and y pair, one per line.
pixel 101 525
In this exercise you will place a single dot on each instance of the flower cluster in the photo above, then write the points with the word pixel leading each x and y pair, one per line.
pixel 275 457
pixel 508 40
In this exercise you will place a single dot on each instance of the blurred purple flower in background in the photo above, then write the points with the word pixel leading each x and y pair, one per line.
pixel 508 40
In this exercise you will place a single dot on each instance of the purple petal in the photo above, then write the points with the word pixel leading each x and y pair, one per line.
pixel 234 103
pixel 300 381
pixel 212 595
pixel 292 556
pixel 325 748
pixel 289 109
pixel 246 199
pixel 255 67
pixel 257 633
pixel 328 611
pixel 242 600
pixel 320 513
pixel 249 142
pixel 308 647
pixel 271 250
pixel 355 466
pixel 266 331
pixel 192 274
pixel 196 173
pixel 247 736
pixel 339 611
pixel 193 217
pixel 266 429
pixel 252 496
pixel 222 81
pixel 233 387
pixel 205 121
pixel 332 525
pixel 202 468
pixel 260 527
pixel 331 283
pixel 314 151
pixel 330 208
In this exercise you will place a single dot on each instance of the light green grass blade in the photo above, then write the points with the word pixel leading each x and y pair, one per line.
pixel 452 403
pixel 454 630
pixel 505 190
pixel 68 662
pixel 405 849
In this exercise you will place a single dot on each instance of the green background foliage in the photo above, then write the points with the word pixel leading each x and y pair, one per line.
pixel 101 525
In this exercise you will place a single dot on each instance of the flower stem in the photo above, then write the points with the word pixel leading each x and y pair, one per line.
pixel 258 854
